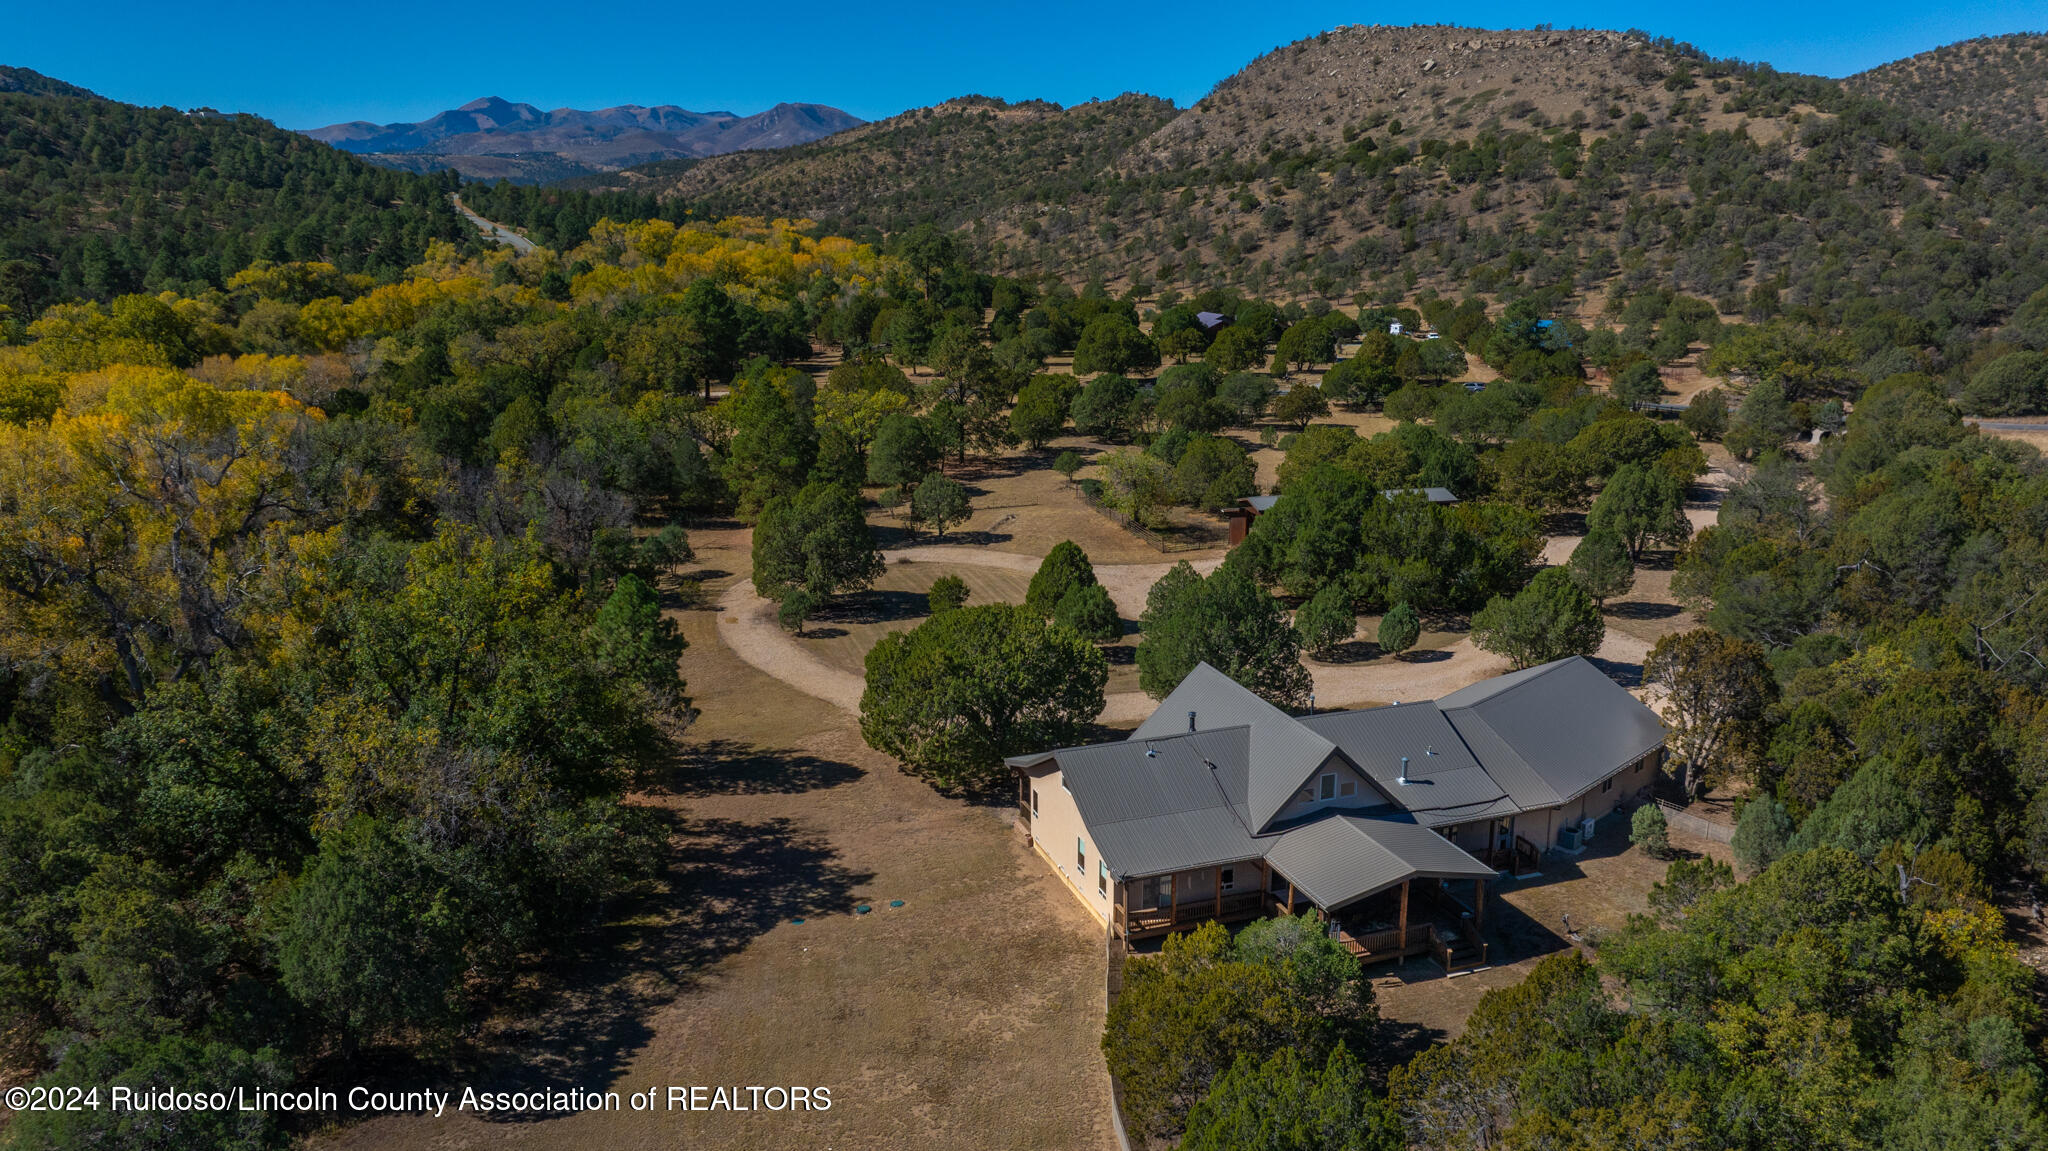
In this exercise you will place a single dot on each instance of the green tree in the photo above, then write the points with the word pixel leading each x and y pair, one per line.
pixel 1400 628
pixel 1041 409
pixel 1601 566
pixel 1090 613
pixel 1285 1104
pixel 940 502
pixel 1639 383
pixel 1067 463
pixel 957 693
pixel 1762 833
pixel 1641 505
pixel 1103 407
pixel 1706 417
pixel 1226 621
pixel 638 644
pixel 1649 830
pixel 1764 421
pixel 1549 619
pixel 1213 472
pixel 1326 622
pixel 1111 343
pixel 773 444
pixel 1716 691
pixel 904 451
pixel 1235 349
pixel 2012 385
pixel 816 541
pixel 947 594
pixel 1301 405
pixel 1063 570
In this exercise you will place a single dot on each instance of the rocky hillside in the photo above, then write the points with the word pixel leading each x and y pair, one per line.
pixel 1384 160
pixel 494 138
pixel 1996 84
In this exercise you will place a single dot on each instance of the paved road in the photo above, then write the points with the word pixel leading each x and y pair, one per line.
pixel 2011 425
pixel 491 231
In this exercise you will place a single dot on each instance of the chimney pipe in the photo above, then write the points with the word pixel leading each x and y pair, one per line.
pixel 1191 721
pixel 1403 781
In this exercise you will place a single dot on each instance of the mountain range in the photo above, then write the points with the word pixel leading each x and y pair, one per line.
pixel 492 137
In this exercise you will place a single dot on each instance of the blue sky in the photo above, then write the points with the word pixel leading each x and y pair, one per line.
pixel 313 62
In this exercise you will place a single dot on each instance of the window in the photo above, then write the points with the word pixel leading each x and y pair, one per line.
pixel 1080 855
pixel 1229 878
pixel 1349 787
pixel 1034 801
pixel 1607 785
pixel 1329 787
pixel 1102 876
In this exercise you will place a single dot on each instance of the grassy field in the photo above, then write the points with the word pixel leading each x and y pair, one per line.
pixel 967 1018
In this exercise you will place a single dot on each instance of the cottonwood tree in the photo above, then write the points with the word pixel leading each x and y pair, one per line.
pixel 1716 692
pixel 955 695
pixel 1550 619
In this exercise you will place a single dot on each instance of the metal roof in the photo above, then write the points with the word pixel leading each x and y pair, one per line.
pixel 1554 729
pixel 1259 503
pixel 1434 495
pixel 1281 754
pixel 1163 803
pixel 1344 858
pixel 1442 773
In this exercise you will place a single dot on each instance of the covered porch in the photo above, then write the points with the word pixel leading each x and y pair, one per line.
pixel 1158 905
pixel 1439 918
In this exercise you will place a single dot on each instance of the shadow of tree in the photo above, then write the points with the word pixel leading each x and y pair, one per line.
pixel 1642 609
pixel 730 767
pixel 1352 651
pixel 876 606
pixel 1625 674
pixel 576 1024
pixel 1424 655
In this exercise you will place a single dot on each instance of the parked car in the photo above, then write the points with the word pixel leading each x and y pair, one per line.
pixel 1474 386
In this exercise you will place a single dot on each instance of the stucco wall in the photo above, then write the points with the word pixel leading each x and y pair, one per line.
pixel 1054 828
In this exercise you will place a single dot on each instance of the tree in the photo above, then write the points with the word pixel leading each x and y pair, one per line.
pixel 904 451
pixel 1286 1104
pixel 1067 463
pixel 1601 567
pixel 948 593
pixel 1235 349
pixel 1641 505
pixel 1301 405
pixel 1111 343
pixel 2012 385
pixel 1399 629
pixel 1213 472
pixel 1326 622
pixel 1762 833
pixel 1091 614
pixel 1226 621
pixel 773 444
pixel 816 541
pixel 1639 383
pixel 962 690
pixel 1103 407
pixel 1716 691
pixel 1138 484
pixel 1550 619
pixel 1649 830
pixel 1064 570
pixel 797 607
pixel 638 644
pixel 1764 421
pixel 1041 409
pixel 714 325
pixel 940 502
pixel 1706 417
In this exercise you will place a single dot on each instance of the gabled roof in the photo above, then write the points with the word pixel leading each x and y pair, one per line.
pixel 1443 777
pixel 1550 732
pixel 1344 858
pixel 1281 754
pixel 1164 803
pixel 1433 495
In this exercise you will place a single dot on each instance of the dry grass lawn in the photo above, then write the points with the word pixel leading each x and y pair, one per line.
pixel 967 1018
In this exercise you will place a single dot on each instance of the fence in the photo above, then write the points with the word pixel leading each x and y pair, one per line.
pixel 1684 820
pixel 1169 541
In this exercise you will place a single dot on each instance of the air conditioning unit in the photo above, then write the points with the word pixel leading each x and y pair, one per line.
pixel 1586 830
pixel 1568 838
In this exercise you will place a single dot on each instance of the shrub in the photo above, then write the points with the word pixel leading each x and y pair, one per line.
pixel 1399 628
pixel 1067 463
pixel 1326 621
pixel 948 592
pixel 1649 830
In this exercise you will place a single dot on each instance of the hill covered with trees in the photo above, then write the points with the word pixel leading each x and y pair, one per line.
pixel 1995 84
pixel 100 198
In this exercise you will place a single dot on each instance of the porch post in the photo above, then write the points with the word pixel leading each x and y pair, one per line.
pixel 1478 904
pixel 1290 897
pixel 1218 878
pixel 1265 884
pixel 1173 899
pixel 1403 938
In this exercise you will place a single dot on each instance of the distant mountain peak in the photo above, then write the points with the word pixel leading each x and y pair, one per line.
pixel 493 137
pixel 30 82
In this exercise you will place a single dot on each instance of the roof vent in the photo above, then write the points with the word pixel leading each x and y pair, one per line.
pixel 1403 781
pixel 1150 751
pixel 1191 721
pixel 1430 750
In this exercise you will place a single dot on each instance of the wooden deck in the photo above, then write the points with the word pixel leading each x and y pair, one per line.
pixel 1152 922
pixel 1451 949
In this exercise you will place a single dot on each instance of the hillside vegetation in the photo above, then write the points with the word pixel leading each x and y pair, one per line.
pixel 98 198
pixel 1499 163
pixel 1995 84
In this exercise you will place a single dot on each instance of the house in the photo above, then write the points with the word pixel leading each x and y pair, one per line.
pixel 1211 322
pixel 1244 511
pixel 1390 820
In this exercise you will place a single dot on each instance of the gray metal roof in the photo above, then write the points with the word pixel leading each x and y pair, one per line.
pixel 1554 729
pixel 1259 503
pixel 1434 495
pixel 1281 755
pixel 1344 858
pixel 1442 773
pixel 1181 805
